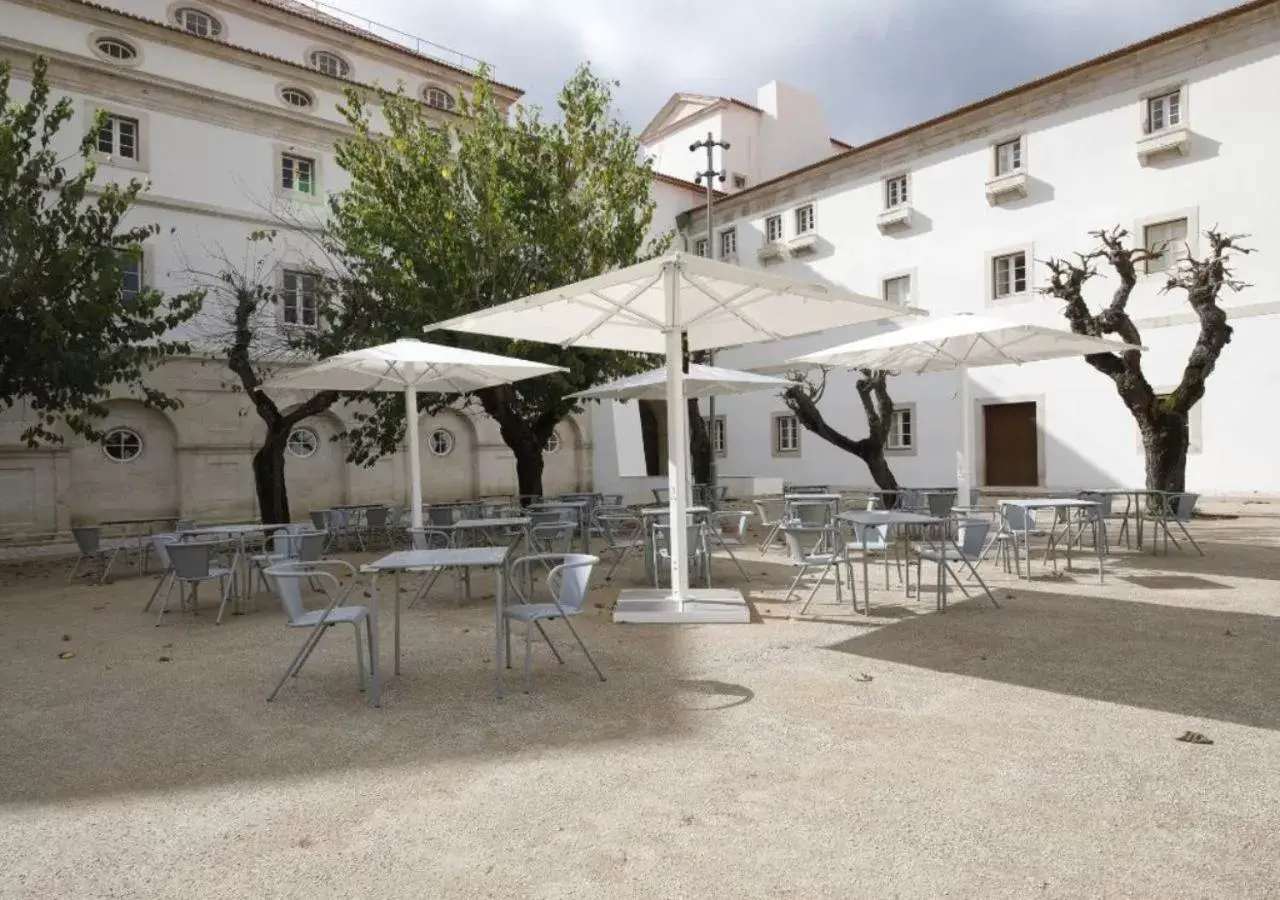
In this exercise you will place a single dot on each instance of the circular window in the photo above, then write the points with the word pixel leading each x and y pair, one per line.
pixel 553 444
pixel 197 21
pixel 116 49
pixel 303 442
pixel 438 97
pixel 329 63
pixel 296 97
pixel 122 445
pixel 441 442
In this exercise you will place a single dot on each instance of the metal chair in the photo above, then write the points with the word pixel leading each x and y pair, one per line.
pixel 567 585
pixel 695 550
pixel 377 522
pixel 89 544
pixel 797 539
pixel 428 539
pixel 770 519
pixel 551 537
pixel 1176 509
pixel 869 539
pixel 287 578
pixel 967 550
pixel 192 565
pixel 160 547
pixel 622 534
pixel 733 536
pixel 292 544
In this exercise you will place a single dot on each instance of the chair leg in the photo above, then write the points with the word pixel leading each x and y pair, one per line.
pixel 108 561
pixel 76 568
pixel 1187 534
pixel 546 637
pixel 795 581
pixel 591 659
pixel 296 663
pixel 164 578
pixel 528 655
pixel 359 658
pixel 225 582
pixel 165 604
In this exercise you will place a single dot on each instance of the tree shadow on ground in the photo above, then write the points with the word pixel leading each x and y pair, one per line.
pixel 1237 558
pixel 1193 662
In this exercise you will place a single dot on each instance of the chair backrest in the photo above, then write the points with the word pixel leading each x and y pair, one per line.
pixel 88 538
pixel 571 580
pixel 940 503
pixel 184 525
pixel 376 517
pixel 1181 506
pixel 440 515
pixel 617 528
pixel 320 518
pixel 813 515
pixel 160 547
pixel 611 500
pixel 871 537
pixel 1104 501
pixel 693 537
pixel 309 547
pixel 1018 518
pixel 661 495
pixel 909 498
pixel 430 539
pixel 806 489
pixel 551 533
pixel 191 559
pixel 547 516
pixel 737 520
pixel 972 535
pixel 798 540
pixel 766 514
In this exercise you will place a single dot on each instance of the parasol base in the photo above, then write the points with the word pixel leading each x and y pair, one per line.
pixel 658 606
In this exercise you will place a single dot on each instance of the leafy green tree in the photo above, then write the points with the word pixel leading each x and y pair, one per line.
pixel 69 336
pixel 436 223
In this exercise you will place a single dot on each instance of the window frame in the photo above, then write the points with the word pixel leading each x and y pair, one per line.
pixel 908 274
pixel 431 442
pixel 554 443
pixel 133 263
pixel 908 410
pixel 887 191
pixel 769 221
pixel 114 123
pixel 739 181
pixel 796 214
pixel 99 37
pixel 1014 296
pixel 285 292
pixel 775 434
pixel 289 445
pixel 300 154
pixel 701 244
pixel 1020 144
pixel 283 89
pixel 142 141
pixel 725 237
pixel 1165 91
pixel 452 101
pixel 125 429
pixel 218 26
pixel 345 67
pixel 719 426
pixel 1190 213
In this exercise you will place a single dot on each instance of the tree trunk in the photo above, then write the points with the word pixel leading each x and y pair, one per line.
pixel 529 465
pixel 1165 443
pixel 268 478
pixel 883 476
pixel 699 445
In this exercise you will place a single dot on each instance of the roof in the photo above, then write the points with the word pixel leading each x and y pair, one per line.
pixel 708 102
pixel 842 144
pixel 1113 56
pixel 316 73
pixel 682 183
pixel 314 14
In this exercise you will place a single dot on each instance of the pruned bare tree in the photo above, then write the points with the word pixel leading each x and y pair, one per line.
pixel 1163 419
pixel 247 329
pixel 807 391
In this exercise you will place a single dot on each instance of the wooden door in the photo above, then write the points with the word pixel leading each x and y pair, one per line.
pixel 1012 445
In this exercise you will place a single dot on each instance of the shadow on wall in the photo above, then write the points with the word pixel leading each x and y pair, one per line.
pixel 1191 662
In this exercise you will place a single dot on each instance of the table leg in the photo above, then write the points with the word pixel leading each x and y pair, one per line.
pixel 1098 543
pixel 375 663
pixel 499 626
pixel 586 532
pixel 1068 528
pixel 397 623
pixel 1139 515
pixel 866 579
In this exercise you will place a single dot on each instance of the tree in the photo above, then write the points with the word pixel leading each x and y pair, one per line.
pixel 1163 419
pixel 439 223
pixel 250 339
pixel 71 335
pixel 803 397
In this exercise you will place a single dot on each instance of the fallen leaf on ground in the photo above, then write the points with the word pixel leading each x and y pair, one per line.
pixel 1229 633
pixel 1195 737
pixel 65 654
pixel 66 637
pixel 166 659
pixel 864 677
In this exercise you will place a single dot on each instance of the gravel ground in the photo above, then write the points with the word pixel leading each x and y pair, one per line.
pixel 1027 751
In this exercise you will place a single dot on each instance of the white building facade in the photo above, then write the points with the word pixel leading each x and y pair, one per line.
pixel 1165 138
pixel 230 109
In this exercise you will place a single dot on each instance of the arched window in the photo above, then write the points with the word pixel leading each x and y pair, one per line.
pixel 115 49
pixel 441 442
pixel 296 97
pixel 197 21
pixel 329 63
pixel 303 442
pixel 553 443
pixel 438 98
pixel 122 445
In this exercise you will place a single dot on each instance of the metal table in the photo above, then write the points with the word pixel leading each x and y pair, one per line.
pixel 454 557
pixel 1057 503
pixel 237 533
pixel 1132 502
pixel 142 539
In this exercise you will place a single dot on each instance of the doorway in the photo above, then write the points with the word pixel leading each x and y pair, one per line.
pixel 1011 442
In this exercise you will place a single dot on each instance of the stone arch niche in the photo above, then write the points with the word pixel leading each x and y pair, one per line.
pixel 563 470
pixel 318 480
pixel 103 488
pixel 454 475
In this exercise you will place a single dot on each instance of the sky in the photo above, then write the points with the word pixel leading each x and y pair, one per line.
pixel 877 65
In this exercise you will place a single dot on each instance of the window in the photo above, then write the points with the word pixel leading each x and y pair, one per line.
pixel 303 442
pixel 116 49
pixel 739 181
pixel 700 247
pixel 130 277
pixel 773 229
pixel 728 243
pixel 119 137
pixel 902 432
pixel 719 436
pixel 1008 275
pixel 895 191
pixel 197 21
pixel 122 445
pixel 1168 241
pixel 298 174
pixel 1163 111
pixel 438 98
pixel 296 97
pixel 1009 157
pixel 897 289
pixel 786 435
pixel 553 444
pixel 329 63
pixel 804 219
pixel 298 299
pixel 441 442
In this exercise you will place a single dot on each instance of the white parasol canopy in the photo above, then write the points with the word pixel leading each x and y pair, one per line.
pixel 699 381
pixel 411 366
pixel 654 307
pixel 958 343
